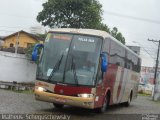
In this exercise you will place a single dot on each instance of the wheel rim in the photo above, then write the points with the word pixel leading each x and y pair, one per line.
pixel 129 100
pixel 104 105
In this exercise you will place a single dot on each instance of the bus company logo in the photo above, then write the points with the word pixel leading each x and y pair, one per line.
pixel 61 91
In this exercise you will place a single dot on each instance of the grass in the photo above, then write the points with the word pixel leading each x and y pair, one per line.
pixel 23 91
pixel 143 94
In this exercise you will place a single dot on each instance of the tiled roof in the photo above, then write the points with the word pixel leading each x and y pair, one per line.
pixel 29 34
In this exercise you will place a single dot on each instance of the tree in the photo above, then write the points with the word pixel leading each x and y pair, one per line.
pixel 42 36
pixel 75 14
pixel 71 13
pixel 103 27
pixel 114 32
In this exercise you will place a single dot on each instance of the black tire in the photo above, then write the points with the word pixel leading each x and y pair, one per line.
pixel 128 103
pixel 58 105
pixel 104 106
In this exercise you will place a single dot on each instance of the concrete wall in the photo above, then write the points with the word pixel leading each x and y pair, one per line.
pixel 15 67
pixel 1 42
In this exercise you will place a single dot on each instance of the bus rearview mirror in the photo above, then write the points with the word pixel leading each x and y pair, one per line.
pixel 104 62
pixel 35 51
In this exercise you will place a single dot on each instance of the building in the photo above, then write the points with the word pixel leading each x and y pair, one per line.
pixel 21 39
pixel 37 30
pixel 1 41
pixel 147 74
pixel 136 49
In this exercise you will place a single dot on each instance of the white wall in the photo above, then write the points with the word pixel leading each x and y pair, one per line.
pixel 1 42
pixel 15 67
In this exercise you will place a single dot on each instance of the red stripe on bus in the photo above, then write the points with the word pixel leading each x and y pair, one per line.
pixel 120 84
pixel 71 90
pixel 110 79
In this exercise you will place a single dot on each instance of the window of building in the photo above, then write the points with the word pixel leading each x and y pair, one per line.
pixel 11 45
pixel 29 45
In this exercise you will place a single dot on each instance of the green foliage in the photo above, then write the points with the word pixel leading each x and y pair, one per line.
pixel 114 32
pixel 75 14
pixel 103 27
pixel 29 51
pixel 42 36
pixel 71 13
pixel 24 91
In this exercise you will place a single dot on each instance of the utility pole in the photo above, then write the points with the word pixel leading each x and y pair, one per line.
pixel 17 42
pixel 156 67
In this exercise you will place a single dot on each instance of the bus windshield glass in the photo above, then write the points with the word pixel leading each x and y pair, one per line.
pixel 70 59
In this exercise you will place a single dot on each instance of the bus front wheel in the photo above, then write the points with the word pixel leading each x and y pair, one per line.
pixel 104 106
pixel 58 105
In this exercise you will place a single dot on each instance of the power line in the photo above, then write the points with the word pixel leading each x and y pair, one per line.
pixel 7 31
pixel 148 53
pixel 19 16
pixel 13 27
pixel 144 49
pixel 132 17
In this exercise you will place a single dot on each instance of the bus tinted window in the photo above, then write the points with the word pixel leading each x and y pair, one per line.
pixel 132 62
pixel 117 54
pixel 106 46
pixel 129 63
pixel 85 43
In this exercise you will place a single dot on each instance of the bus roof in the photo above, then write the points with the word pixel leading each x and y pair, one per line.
pixel 100 33
pixel 81 31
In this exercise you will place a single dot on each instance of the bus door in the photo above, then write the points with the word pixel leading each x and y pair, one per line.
pixel 100 87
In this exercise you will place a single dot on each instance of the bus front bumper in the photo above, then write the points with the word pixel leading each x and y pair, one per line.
pixel 63 99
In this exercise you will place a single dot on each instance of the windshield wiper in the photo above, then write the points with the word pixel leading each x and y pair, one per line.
pixel 56 67
pixel 73 67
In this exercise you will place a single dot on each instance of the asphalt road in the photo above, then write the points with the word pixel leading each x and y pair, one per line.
pixel 20 103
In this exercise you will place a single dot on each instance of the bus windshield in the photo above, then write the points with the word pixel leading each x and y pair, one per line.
pixel 70 59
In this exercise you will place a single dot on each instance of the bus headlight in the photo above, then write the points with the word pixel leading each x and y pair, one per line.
pixel 86 95
pixel 41 89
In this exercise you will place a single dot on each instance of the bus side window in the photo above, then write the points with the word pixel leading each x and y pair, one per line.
pixel 130 61
pixel 105 49
pixel 106 46
pixel 134 62
pixel 118 63
pixel 117 54
pixel 99 74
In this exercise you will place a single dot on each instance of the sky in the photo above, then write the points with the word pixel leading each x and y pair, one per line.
pixel 18 14
pixel 137 20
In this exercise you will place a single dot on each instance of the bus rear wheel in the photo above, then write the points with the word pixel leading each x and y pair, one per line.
pixel 127 104
pixel 56 105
